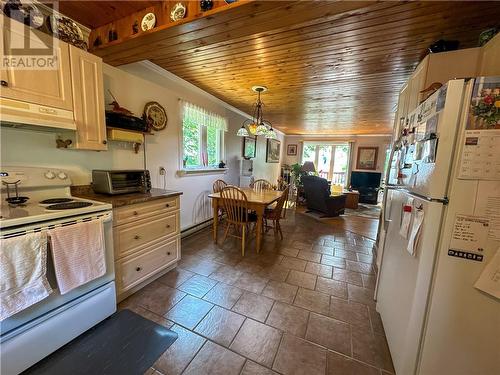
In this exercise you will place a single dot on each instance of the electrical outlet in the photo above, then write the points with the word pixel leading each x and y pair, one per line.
pixel 162 171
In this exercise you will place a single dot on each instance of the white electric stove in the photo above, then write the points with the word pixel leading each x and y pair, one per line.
pixel 48 193
pixel 40 199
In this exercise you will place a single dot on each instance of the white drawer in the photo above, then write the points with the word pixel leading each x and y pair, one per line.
pixel 133 270
pixel 132 213
pixel 134 236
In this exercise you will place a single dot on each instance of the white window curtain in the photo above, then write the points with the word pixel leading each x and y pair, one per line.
pixel 203 117
pixel 202 137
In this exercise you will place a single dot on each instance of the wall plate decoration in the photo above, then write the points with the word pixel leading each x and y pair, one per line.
pixel 155 116
pixel 249 147
pixel 66 30
pixel 148 21
pixel 178 12
pixel 273 151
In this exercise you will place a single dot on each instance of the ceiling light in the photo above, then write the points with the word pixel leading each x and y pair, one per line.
pixel 242 132
pixel 257 125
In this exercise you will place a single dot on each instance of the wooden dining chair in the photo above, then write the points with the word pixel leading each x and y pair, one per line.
pixel 218 186
pixel 275 214
pixel 235 203
pixel 260 185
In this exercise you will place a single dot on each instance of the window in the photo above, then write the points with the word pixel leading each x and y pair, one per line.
pixel 331 160
pixel 202 137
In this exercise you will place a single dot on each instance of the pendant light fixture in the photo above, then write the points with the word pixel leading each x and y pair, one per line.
pixel 257 125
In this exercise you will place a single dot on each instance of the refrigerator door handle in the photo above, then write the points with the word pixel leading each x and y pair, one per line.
pixel 443 201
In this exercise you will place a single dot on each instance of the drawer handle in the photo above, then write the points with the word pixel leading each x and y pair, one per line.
pixel 168 225
pixel 136 237
pixel 5 83
pixel 167 205
pixel 169 253
pixel 138 269
pixel 136 213
pixel 47 110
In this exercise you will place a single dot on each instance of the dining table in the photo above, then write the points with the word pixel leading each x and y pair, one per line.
pixel 257 201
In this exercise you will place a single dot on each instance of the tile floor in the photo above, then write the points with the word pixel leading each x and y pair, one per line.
pixel 302 306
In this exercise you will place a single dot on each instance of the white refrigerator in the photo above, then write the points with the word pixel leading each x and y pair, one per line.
pixel 435 320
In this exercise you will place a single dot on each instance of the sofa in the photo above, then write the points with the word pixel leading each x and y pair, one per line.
pixel 318 198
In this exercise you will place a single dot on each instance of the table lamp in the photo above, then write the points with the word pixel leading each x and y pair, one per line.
pixel 308 167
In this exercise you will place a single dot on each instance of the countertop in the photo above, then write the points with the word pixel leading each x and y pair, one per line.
pixel 120 200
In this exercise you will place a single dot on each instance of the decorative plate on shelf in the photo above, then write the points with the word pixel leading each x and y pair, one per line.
pixel 178 12
pixel 66 30
pixel 155 115
pixel 26 13
pixel 148 22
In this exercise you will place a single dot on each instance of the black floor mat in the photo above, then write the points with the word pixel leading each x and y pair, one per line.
pixel 125 343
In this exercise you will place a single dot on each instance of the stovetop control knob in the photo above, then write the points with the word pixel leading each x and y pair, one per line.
pixel 62 175
pixel 50 175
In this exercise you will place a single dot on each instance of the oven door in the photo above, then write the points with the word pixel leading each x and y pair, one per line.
pixel 40 311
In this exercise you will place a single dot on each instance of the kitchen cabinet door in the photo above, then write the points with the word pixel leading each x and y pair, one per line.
pixel 416 84
pixel 402 111
pixel 46 87
pixel 490 58
pixel 88 100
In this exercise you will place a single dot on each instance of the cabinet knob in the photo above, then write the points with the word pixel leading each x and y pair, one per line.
pixel 4 83
pixel 167 205
pixel 104 142
pixel 136 237
pixel 138 269
pixel 168 253
pixel 135 213
pixel 168 225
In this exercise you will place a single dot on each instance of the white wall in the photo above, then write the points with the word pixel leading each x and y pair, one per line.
pixel 133 86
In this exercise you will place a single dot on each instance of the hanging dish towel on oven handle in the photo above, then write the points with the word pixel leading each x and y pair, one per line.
pixel 23 270
pixel 78 252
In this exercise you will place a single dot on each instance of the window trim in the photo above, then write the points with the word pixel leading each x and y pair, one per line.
pixel 332 145
pixel 200 169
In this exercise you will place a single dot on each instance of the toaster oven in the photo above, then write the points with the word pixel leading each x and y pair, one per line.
pixel 121 181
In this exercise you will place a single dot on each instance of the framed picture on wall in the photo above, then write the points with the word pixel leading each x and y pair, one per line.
pixel 291 150
pixel 273 151
pixel 249 147
pixel 367 158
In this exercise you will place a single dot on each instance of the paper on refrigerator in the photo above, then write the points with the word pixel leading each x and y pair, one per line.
pixel 489 281
pixel 488 205
pixel 481 146
pixel 406 218
pixel 415 231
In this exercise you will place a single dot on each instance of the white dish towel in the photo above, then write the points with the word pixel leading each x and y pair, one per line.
pixel 78 254
pixel 23 272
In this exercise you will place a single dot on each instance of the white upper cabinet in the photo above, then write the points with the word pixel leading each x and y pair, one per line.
pixel 88 100
pixel 46 87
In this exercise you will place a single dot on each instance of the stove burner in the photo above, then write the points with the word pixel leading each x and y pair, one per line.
pixel 56 200
pixel 68 206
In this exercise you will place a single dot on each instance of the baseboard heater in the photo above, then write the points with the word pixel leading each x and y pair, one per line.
pixel 196 228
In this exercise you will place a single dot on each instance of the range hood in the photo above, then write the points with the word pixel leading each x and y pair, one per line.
pixel 17 112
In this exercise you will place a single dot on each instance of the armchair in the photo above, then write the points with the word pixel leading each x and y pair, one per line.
pixel 318 196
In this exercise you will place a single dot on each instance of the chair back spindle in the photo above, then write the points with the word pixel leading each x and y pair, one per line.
pixel 218 186
pixel 261 185
pixel 235 204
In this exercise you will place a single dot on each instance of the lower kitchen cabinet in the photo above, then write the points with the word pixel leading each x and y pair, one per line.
pixel 146 247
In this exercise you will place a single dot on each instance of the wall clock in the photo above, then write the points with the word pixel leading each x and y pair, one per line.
pixel 155 116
